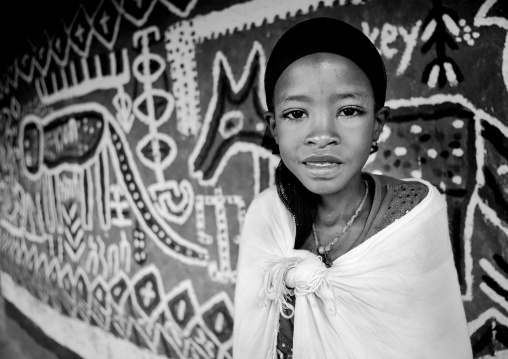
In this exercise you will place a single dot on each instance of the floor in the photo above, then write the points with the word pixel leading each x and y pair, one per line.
pixel 15 343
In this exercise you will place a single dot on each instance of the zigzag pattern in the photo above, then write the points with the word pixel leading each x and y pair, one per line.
pixel 134 308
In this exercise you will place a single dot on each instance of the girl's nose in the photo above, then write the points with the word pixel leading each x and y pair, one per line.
pixel 323 132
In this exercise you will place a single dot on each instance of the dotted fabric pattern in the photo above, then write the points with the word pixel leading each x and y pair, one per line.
pixel 405 197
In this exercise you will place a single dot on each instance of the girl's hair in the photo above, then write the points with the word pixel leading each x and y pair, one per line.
pixel 301 202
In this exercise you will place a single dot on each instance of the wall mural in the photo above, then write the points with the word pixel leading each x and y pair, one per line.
pixel 130 149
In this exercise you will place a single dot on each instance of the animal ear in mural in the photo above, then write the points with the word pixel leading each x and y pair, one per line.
pixel 234 123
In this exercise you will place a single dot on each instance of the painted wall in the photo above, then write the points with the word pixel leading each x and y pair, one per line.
pixel 130 150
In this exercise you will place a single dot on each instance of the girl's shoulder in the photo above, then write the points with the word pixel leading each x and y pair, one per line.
pixel 403 187
pixel 401 197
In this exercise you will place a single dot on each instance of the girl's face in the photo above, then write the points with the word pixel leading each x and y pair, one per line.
pixel 324 121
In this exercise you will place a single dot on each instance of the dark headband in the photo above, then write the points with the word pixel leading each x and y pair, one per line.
pixel 326 35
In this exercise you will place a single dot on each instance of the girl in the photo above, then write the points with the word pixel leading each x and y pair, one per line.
pixel 336 263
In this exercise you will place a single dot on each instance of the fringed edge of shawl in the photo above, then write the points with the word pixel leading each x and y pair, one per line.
pixel 274 285
pixel 274 289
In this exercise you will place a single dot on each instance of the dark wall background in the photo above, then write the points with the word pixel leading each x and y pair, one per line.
pixel 130 148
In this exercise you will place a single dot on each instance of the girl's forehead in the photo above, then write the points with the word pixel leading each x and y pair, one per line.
pixel 324 72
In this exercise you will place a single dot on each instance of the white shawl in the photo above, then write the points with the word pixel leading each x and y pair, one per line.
pixel 396 295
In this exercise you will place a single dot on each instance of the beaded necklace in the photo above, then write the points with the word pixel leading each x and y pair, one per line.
pixel 324 251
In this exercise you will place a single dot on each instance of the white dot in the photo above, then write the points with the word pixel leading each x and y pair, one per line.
pixel 128 177
pixel 136 256
pixel 467 37
pixel 457 179
pixel 147 216
pixel 476 35
pixel 161 234
pixel 462 22
pixel 457 152
pixel 400 151
pixel 132 186
pixel 458 124
pixel 458 39
pixel 416 174
pixel 260 126
pixel 118 145
pixel 135 195
pixel 442 185
pixel 415 129
pixel 502 170
pixel 470 42
pixel 467 29
pixel 432 153
pixel 143 255
pixel 141 204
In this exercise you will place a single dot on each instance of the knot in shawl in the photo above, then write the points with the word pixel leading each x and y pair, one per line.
pixel 302 274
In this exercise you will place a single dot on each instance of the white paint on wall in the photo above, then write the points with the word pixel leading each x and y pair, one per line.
pixel 428 30
pixel 450 74
pixel 458 124
pixel 400 151
pixel 410 38
pixel 416 174
pixel 502 170
pixel 457 180
pixel 434 74
pixel 458 152
pixel 432 153
pixel 388 35
pixel 416 129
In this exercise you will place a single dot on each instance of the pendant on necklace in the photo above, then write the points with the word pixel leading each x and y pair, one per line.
pixel 327 260
pixel 324 256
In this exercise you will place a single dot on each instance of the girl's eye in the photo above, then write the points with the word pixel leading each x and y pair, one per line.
pixel 350 111
pixel 294 114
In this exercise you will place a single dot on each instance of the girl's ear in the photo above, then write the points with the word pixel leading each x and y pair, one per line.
pixel 381 117
pixel 270 119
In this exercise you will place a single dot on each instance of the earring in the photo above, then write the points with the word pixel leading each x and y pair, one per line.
pixel 374 147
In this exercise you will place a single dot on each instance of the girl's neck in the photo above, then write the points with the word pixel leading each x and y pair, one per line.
pixel 338 207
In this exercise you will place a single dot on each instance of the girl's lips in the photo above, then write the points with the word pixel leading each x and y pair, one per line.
pixel 322 159
pixel 321 164
pixel 322 169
